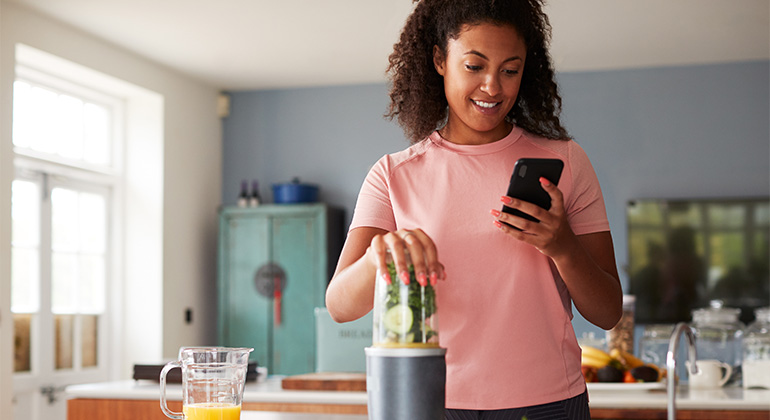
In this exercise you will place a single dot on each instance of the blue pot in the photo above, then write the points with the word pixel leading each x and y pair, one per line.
pixel 295 192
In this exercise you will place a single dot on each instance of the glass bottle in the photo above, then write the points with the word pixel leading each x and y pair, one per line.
pixel 404 315
pixel 254 198
pixel 719 336
pixel 243 197
pixel 756 351
pixel 622 335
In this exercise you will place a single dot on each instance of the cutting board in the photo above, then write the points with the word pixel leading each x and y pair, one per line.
pixel 326 381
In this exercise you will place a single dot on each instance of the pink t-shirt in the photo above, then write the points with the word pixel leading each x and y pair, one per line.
pixel 505 313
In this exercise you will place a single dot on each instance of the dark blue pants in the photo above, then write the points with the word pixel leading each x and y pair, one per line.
pixel 570 409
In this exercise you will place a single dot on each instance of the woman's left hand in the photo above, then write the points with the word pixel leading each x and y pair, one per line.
pixel 552 236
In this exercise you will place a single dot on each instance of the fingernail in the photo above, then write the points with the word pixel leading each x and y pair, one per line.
pixel 544 181
pixel 498 224
pixel 495 213
pixel 505 199
pixel 405 277
pixel 433 278
pixel 386 275
pixel 422 279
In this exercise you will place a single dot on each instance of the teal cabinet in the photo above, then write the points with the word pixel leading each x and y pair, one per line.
pixel 274 265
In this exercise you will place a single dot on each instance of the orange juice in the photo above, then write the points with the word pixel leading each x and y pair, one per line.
pixel 212 411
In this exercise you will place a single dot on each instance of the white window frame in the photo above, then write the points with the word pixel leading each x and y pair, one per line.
pixel 136 329
pixel 49 171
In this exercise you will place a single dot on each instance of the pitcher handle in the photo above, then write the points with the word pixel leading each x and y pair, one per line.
pixel 163 402
pixel 727 374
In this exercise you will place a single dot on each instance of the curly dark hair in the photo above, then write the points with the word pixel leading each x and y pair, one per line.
pixel 417 96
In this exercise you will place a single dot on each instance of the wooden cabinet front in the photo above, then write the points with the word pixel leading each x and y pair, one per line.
pixel 273 270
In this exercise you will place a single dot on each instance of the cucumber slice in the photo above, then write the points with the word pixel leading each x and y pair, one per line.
pixel 398 319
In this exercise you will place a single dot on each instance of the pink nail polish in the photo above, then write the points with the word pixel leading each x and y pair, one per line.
pixel 405 277
pixel 505 199
pixel 422 279
pixel 433 278
pixel 498 224
pixel 495 213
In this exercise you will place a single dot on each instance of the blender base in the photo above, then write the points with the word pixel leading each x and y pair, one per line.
pixel 405 383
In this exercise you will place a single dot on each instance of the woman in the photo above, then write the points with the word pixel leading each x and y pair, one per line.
pixel 474 90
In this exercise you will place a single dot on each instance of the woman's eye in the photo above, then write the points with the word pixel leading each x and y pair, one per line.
pixel 511 72
pixel 471 67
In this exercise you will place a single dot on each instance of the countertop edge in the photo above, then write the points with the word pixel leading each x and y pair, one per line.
pixel 270 391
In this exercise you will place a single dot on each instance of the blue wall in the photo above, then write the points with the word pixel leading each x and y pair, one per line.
pixel 697 131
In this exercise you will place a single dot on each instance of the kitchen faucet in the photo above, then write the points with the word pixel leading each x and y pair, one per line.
pixel 673 346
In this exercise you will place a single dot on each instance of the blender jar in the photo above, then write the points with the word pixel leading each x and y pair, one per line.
pixel 756 351
pixel 404 315
pixel 719 336
pixel 405 367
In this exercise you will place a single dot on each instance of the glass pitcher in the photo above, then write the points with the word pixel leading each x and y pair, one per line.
pixel 213 379
pixel 404 315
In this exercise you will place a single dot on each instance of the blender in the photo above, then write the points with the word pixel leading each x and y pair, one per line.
pixel 405 367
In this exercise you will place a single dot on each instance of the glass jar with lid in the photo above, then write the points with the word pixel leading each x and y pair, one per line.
pixel 621 336
pixel 405 315
pixel 653 346
pixel 719 336
pixel 756 351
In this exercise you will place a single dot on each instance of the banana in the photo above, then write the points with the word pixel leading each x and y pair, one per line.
pixel 625 358
pixel 593 362
pixel 591 356
pixel 596 353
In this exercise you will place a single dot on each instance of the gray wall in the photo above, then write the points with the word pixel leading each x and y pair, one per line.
pixel 697 131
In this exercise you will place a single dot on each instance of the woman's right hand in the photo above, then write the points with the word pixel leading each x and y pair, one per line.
pixel 421 249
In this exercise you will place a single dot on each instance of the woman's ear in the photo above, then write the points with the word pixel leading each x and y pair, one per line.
pixel 438 60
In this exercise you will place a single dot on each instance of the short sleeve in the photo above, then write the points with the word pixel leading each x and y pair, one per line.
pixel 585 209
pixel 374 207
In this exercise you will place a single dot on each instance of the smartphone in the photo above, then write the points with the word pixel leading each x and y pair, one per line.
pixel 525 183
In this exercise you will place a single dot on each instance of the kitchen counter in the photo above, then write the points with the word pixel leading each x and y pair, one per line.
pixel 276 403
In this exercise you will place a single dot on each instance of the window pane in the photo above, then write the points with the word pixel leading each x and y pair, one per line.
pixel 91 287
pixel 762 214
pixel 64 223
pixel 64 283
pixel 60 124
pixel 97 135
pixel 640 213
pixel 89 338
pixel 685 214
pixel 79 236
pixel 727 216
pixel 22 333
pixel 43 108
pixel 93 226
pixel 22 114
pixel 25 280
pixel 25 251
pixel 25 212
pixel 70 127
pixel 64 331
